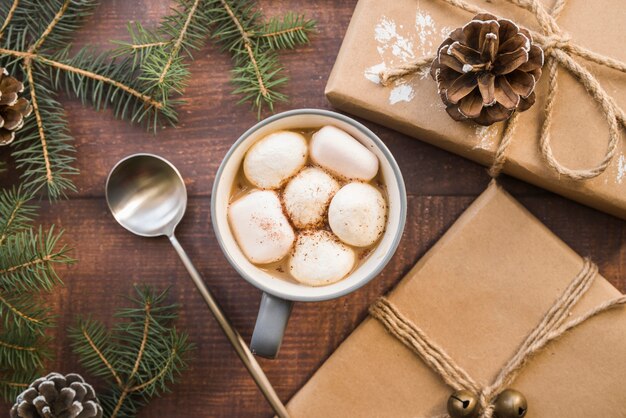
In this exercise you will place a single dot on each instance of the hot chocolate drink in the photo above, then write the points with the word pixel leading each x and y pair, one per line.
pixel 309 205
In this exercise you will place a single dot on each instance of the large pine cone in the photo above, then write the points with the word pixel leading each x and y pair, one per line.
pixel 58 396
pixel 13 109
pixel 487 69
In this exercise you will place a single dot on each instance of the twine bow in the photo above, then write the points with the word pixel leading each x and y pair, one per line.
pixel 559 50
pixel 551 327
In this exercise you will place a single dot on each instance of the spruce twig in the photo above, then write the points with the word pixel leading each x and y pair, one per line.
pixel 9 16
pixel 35 48
pixel 178 43
pixel 141 79
pixel 139 357
pixel 286 33
pixel 28 260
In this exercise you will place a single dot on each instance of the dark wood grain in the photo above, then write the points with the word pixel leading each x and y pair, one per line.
pixel 440 187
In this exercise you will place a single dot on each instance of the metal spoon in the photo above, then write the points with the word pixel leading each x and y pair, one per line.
pixel 147 196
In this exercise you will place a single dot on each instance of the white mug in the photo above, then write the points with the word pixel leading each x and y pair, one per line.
pixel 278 295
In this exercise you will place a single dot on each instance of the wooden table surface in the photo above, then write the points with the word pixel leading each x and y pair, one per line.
pixel 440 186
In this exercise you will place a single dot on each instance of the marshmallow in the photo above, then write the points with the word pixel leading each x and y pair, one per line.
pixel 357 214
pixel 307 196
pixel 319 258
pixel 341 154
pixel 260 227
pixel 275 158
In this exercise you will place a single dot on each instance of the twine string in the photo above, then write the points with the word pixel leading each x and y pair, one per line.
pixel 559 50
pixel 507 137
pixel 552 326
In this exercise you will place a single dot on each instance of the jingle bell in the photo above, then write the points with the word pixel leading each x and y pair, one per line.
pixel 463 404
pixel 510 404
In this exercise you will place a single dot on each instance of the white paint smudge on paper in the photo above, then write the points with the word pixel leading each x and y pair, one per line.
pixel 386 34
pixel 398 45
pixel 486 136
pixel 373 73
pixel 401 93
pixel 429 36
pixel 621 169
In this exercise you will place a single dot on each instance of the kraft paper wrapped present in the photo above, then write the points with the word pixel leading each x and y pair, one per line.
pixel 477 294
pixel 388 34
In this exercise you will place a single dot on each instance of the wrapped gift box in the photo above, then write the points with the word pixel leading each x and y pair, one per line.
pixel 478 293
pixel 387 34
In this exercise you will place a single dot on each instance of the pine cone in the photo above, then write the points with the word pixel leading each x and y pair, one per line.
pixel 13 109
pixel 58 396
pixel 487 69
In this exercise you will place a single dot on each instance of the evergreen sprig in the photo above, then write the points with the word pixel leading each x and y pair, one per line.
pixel 240 29
pixel 287 32
pixel 35 48
pixel 141 80
pixel 239 26
pixel 28 260
pixel 139 357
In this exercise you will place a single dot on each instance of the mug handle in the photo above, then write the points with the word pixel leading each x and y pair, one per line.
pixel 270 325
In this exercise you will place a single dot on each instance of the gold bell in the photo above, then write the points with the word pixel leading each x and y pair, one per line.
pixel 463 404
pixel 510 404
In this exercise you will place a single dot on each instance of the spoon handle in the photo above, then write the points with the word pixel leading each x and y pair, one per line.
pixel 244 353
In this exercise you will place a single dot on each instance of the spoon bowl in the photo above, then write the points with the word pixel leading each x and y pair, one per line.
pixel 146 195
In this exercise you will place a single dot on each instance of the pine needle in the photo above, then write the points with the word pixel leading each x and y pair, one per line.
pixel 286 33
pixel 139 357
pixel 142 80
pixel 28 260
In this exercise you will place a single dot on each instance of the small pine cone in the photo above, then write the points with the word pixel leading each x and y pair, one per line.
pixel 487 69
pixel 13 109
pixel 58 396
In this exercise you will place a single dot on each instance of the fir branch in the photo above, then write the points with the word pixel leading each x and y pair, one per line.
pixel 42 38
pixel 286 33
pixel 162 70
pixel 142 44
pixel 43 149
pixel 247 44
pixel 139 357
pixel 27 260
pixel 15 213
pixel 179 40
pixel 13 382
pixel 53 20
pixel 9 16
pixel 160 375
pixel 187 27
pixel 257 74
pixel 17 348
pixel 92 344
pixel 21 312
pixel 141 80
pixel 39 120
pixel 72 66
pixel 23 351
pixel 151 72
pixel 27 265
pixel 144 338
pixel 149 45
pixel 73 69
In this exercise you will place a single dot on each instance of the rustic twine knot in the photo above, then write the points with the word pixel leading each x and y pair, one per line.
pixel 559 50
pixel 552 326
pixel 561 41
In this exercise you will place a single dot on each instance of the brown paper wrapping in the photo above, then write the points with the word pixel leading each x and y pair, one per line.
pixel 478 293
pixel 394 32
